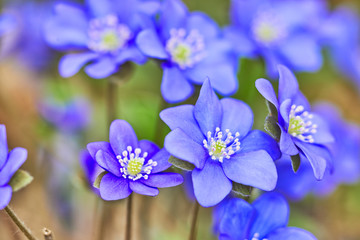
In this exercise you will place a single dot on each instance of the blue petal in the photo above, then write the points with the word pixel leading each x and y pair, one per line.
pixel 94 147
pixel 149 147
pixel 172 15
pixel 114 188
pixel 5 193
pixel 161 157
pixel 271 63
pixel 236 220
pixel 302 52
pixel 267 91
pixel 288 85
pixel 256 169
pixel 291 233
pixel 180 145
pixel 108 162
pixel 3 146
pixel 243 12
pixel 163 180
pixel 242 44
pixel 121 136
pixel 208 109
pixel 149 7
pixel 71 63
pixel 206 26
pixel 258 140
pixel 237 116
pixel 318 157
pixel 211 185
pixel 286 143
pixel 183 117
pixel 16 158
pixel 150 44
pixel 285 109
pixel 300 99
pixel 222 76
pixel 273 213
pixel 98 8
pixel 322 134
pixel 102 68
pixel 142 189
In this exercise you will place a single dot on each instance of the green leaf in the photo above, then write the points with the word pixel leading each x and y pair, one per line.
pixel 98 179
pixel 272 128
pixel 295 162
pixel 241 190
pixel 20 180
pixel 272 110
pixel 186 166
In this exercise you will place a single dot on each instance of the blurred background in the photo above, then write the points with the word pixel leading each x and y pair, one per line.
pixel 59 197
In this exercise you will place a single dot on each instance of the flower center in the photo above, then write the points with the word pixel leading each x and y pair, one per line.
pixel 107 35
pixel 268 29
pixel 132 164
pixel 221 145
pixel 300 125
pixel 185 49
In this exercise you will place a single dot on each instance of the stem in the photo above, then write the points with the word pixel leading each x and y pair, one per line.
pixel 194 224
pixel 111 98
pixel 159 124
pixel 128 218
pixel 20 224
pixel 48 234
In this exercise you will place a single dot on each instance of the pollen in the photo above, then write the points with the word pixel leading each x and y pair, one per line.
pixel 300 124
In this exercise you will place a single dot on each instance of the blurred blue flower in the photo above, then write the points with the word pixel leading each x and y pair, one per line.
pixel 7 23
pixel 215 136
pixel 302 132
pixel 26 42
pixel 282 32
pixel 70 117
pixel 191 48
pixel 132 165
pixel 266 218
pixel 10 162
pixel 90 168
pixel 101 32
pixel 346 155
pixel 340 32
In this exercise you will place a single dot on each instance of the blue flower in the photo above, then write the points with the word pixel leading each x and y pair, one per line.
pixel 7 23
pixel 191 48
pixel 302 132
pixel 266 218
pixel 10 162
pixel 346 162
pixel 90 168
pixel 70 117
pixel 215 136
pixel 279 31
pixel 132 165
pixel 101 32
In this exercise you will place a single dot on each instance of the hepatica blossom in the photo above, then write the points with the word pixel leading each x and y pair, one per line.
pixel 91 169
pixel 132 165
pixel 302 132
pixel 215 137
pixel 346 155
pixel 191 48
pixel 10 162
pixel 101 32
pixel 279 31
pixel 264 219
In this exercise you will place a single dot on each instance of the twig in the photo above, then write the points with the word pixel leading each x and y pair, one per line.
pixel 48 234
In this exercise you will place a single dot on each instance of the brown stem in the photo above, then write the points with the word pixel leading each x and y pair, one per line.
pixel 128 218
pixel 21 225
pixel 194 224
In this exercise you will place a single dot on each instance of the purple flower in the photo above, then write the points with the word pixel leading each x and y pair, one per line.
pixel 101 32
pixel 191 48
pixel 265 218
pixel 215 136
pixel 302 132
pixel 90 168
pixel 132 165
pixel 346 162
pixel 72 116
pixel 10 162
pixel 282 32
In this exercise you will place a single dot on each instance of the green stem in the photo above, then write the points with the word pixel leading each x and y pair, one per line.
pixel 128 218
pixel 21 225
pixel 194 223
